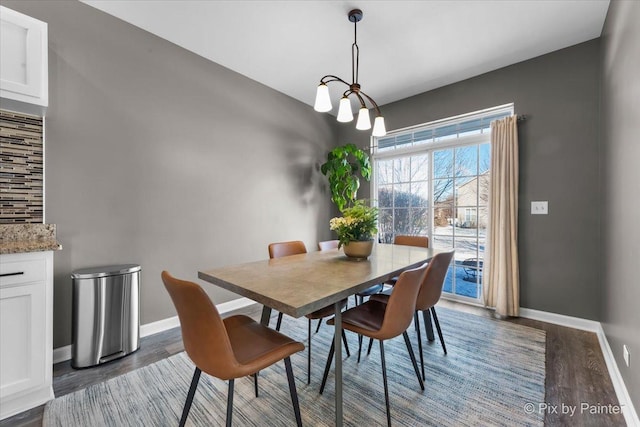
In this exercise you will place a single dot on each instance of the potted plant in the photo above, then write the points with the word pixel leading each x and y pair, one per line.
pixel 343 168
pixel 356 229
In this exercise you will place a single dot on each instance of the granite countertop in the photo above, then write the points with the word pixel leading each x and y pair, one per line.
pixel 28 238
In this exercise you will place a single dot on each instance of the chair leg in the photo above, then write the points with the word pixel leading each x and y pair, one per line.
pixel 413 358
pixel 346 344
pixel 192 392
pixel 230 403
pixel 319 324
pixel 255 383
pixel 332 350
pixel 309 355
pixel 279 322
pixel 416 319
pixel 370 345
pixel 384 379
pixel 359 346
pixel 435 320
pixel 292 390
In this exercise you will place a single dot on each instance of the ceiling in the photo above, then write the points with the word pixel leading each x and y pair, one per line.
pixel 406 47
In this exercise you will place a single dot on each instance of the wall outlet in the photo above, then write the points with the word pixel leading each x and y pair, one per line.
pixel 625 354
pixel 540 208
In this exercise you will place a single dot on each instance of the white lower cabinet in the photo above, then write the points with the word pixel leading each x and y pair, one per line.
pixel 26 331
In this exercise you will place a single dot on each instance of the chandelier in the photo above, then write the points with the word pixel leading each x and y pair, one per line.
pixel 323 100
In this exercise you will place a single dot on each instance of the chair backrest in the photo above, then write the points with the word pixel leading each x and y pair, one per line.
pixel 203 332
pixel 419 241
pixel 280 249
pixel 402 303
pixel 431 288
pixel 327 245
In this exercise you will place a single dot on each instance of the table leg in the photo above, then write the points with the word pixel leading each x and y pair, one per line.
pixel 266 315
pixel 338 362
pixel 426 315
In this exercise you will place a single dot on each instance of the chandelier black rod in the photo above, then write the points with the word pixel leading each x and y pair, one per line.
pixel 355 63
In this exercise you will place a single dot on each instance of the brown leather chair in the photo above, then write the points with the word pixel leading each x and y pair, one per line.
pixel 430 292
pixel 228 348
pixel 296 247
pixel 328 245
pixel 383 321
pixel 417 241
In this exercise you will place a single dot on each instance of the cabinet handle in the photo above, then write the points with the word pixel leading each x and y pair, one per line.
pixel 12 274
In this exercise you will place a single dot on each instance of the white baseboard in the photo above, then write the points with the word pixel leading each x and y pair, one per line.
pixel 629 412
pixel 62 354
pixel 561 319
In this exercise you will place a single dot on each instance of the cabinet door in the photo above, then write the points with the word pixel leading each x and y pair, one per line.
pixel 22 331
pixel 23 58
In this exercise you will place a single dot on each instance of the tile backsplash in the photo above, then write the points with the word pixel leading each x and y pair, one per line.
pixel 21 168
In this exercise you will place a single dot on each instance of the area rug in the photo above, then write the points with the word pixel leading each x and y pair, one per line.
pixel 492 371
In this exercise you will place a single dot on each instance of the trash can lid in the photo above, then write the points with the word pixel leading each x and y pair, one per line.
pixel 109 270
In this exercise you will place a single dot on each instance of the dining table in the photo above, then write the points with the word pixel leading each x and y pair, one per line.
pixel 297 285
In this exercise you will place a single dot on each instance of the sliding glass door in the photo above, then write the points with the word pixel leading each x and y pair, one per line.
pixel 433 180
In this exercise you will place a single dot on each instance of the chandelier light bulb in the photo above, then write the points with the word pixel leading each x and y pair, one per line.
pixel 364 121
pixel 323 100
pixel 344 112
pixel 378 127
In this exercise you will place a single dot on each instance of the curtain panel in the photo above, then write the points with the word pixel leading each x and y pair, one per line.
pixel 502 282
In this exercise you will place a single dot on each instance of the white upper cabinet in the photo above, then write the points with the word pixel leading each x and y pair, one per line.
pixel 23 58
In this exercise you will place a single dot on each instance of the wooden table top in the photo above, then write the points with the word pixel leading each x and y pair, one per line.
pixel 300 284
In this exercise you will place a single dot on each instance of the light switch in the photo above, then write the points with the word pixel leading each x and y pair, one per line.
pixel 540 208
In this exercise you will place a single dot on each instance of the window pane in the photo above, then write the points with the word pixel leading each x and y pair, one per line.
pixel 419 218
pixel 385 196
pixel 402 169
pixel 384 171
pixel 442 242
pixel 443 190
pixel 443 164
pixel 401 221
pixel 466 281
pixel 419 168
pixel 385 225
pixel 483 220
pixel 467 192
pixel 467 161
pixel 466 248
pixel 484 159
pixel 443 219
pixel 484 184
pixel 420 193
pixel 402 195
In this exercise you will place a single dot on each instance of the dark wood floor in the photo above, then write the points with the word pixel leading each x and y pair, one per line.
pixel 576 372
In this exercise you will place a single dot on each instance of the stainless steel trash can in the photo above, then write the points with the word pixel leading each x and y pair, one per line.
pixel 106 307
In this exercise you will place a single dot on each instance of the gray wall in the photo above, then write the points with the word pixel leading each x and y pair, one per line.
pixel 559 94
pixel 620 172
pixel 157 156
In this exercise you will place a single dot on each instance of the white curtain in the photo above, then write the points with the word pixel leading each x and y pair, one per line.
pixel 501 277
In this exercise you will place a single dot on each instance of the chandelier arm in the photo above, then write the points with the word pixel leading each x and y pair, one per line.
pixel 362 104
pixel 375 105
pixel 347 93
pixel 332 78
